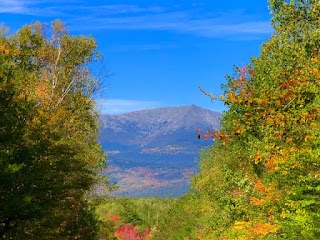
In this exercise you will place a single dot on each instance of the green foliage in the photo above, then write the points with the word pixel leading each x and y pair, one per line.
pixel 261 179
pixel 182 219
pixel 142 213
pixel 49 153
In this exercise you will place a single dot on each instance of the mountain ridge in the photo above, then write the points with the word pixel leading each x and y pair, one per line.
pixel 145 126
pixel 153 151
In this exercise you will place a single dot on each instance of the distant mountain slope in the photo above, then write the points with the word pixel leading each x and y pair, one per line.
pixel 156 140
pixel 159 127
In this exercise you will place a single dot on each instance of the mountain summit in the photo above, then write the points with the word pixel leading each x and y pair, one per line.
pixel 157 127
pixel 159 142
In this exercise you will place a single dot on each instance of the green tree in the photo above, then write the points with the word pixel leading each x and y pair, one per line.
pixel 49 153
pixel 261 178
pixel 270 138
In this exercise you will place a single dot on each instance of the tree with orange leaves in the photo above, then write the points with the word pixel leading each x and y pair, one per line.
pixel 268 149
pixel 49 151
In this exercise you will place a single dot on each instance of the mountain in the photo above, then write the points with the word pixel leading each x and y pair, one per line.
pixel 158 128
pixel 158 145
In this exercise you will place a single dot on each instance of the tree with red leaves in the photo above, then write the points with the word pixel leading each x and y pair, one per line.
pixel 129 232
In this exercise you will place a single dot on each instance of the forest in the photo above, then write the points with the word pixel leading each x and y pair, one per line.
pixel 259 180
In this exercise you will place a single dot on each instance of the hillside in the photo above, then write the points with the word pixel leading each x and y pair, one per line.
pixel 155 150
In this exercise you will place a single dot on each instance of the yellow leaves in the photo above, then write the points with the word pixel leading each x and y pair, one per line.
pixel 235 122
pixel 257 158
pixel 241 225
pixel 219 135
pixel 288 151
pixel 259 186
pixel 315 71
pixel 289 140
pixel 4 49
pixel 258 101
pixel 276 120
pixel 308 117
pixel 239 128
pixel 307 137
pixel 231 96
pixel 60 140
pixel 290 83
pixel 239 131
pixel 271 165
pixel 264 229
pixel 257 201
pixel 35 121
pixel 283 214
pixel 57 119
pixel 253 230
pixel 264 195
pixel 41 90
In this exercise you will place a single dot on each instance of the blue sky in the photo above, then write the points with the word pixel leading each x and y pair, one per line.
pixel 158 52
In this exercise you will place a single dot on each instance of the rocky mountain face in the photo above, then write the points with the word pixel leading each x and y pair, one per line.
pixel 171 129
pixel 154 139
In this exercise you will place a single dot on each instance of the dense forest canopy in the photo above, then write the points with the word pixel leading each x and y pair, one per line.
pixel 49 153
pixel 261 179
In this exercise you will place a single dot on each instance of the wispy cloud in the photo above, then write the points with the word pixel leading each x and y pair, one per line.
pixel 134 17
pixel 118 106
pixel 117 9
pixel 212 27
pixel 72 8
pixel 144 47
pixel 11 6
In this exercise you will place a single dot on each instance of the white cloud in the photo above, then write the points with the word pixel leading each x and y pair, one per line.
pixel 179 21
pixel 135 17
pixel 144 47
pixel 11 6
pixel 118 9
pixel 118 106
pixel 53 8
pixel 204 27
pixel 71 8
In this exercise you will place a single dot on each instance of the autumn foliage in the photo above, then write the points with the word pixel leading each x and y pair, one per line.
pixel 49 151
pixel 128 232
pixel 260 179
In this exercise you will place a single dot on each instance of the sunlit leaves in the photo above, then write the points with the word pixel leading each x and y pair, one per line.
pixel 49 153
pixel 273 120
